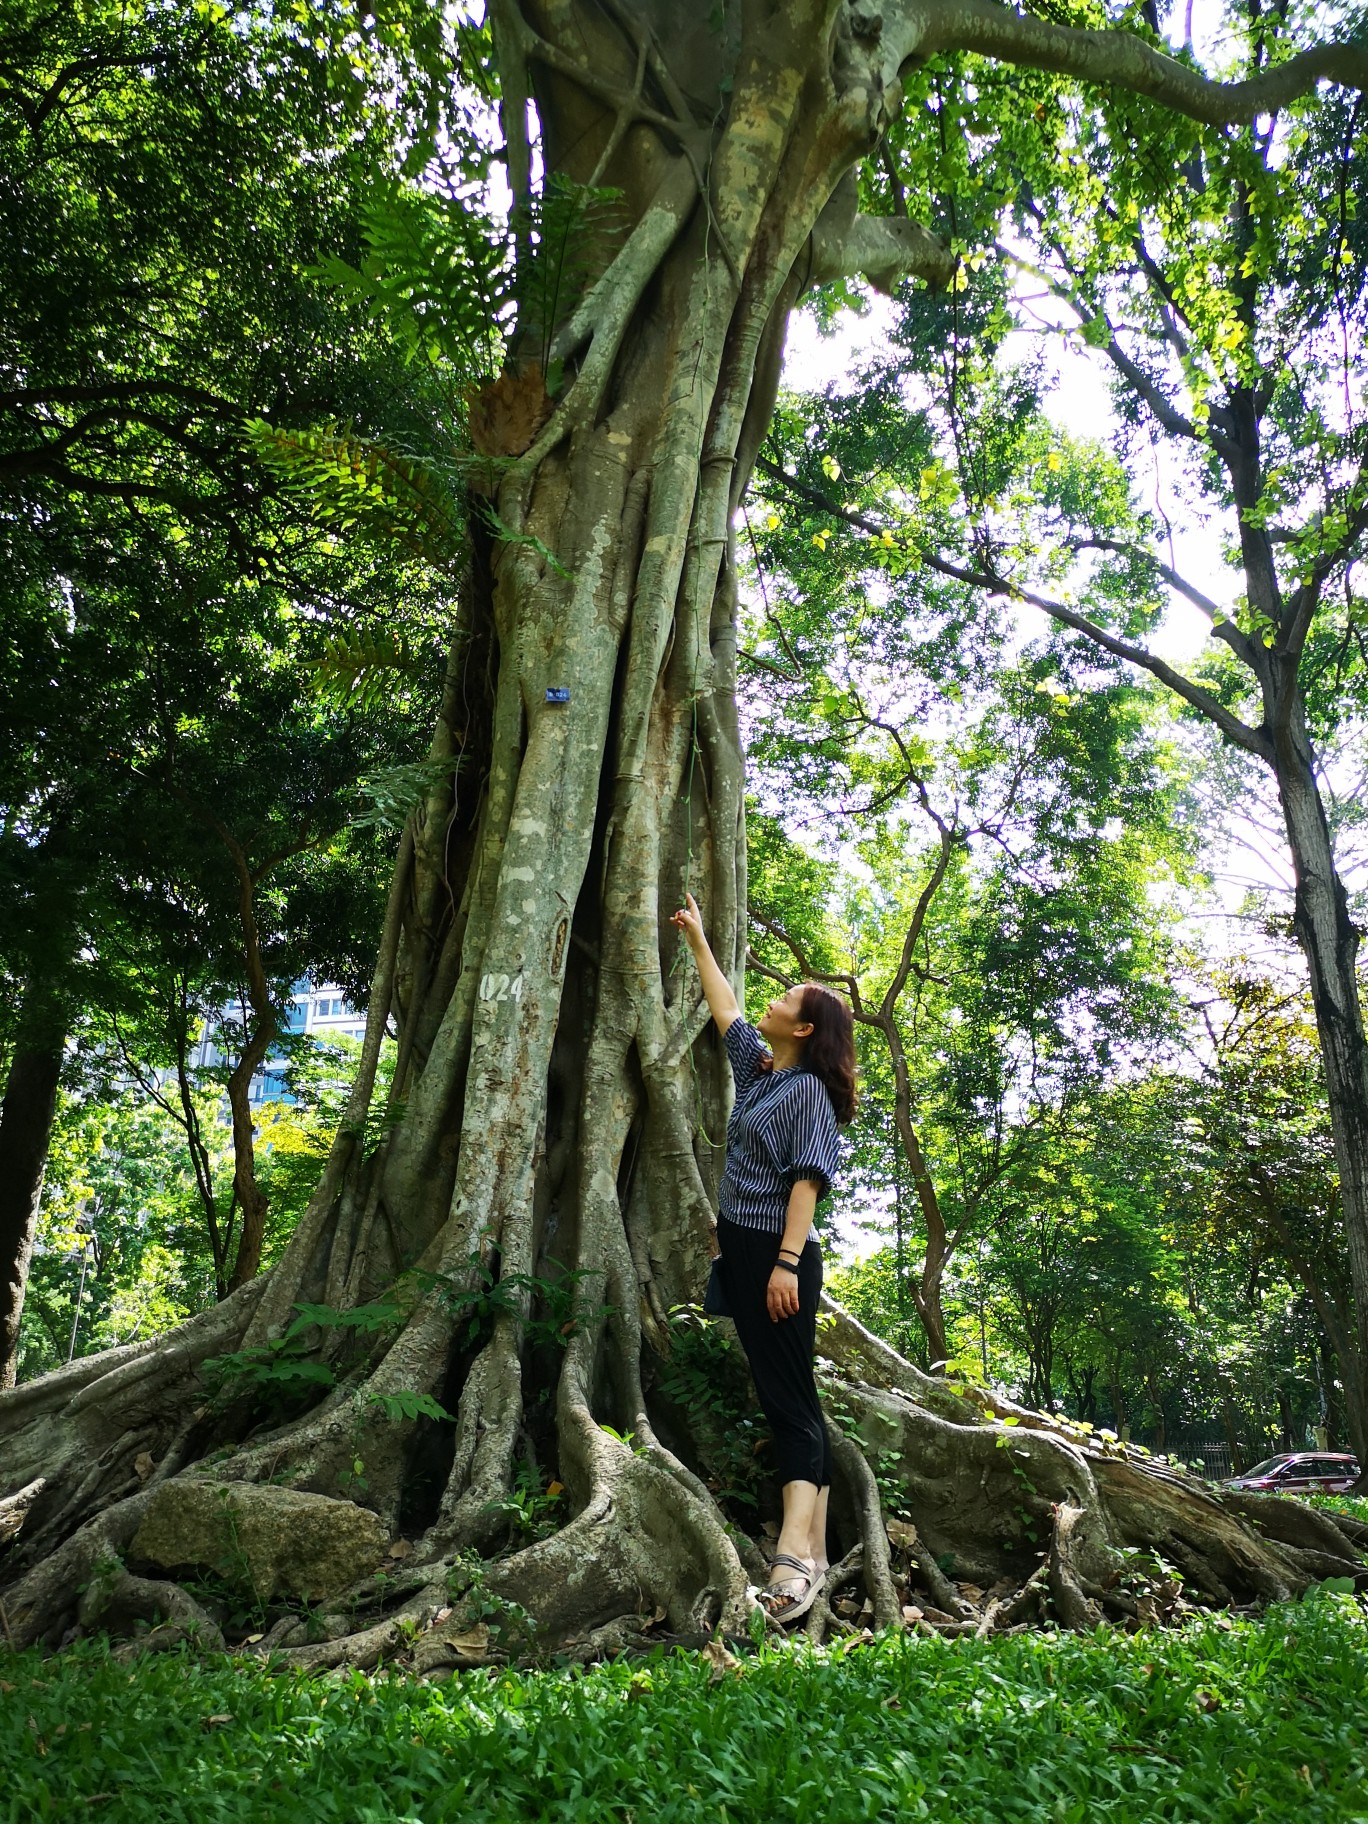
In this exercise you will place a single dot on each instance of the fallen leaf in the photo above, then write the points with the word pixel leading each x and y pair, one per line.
pixel 911 1614
pixel 553 1489
pixel 441 1615
pixel 251 1639
pixel 902 1532
pixel 971 1592
pixel 215 1722
pixel 721 1660
pixel 472 1644
pixel 400 1549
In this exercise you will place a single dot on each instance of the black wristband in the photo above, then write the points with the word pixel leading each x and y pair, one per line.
pixel 787 1266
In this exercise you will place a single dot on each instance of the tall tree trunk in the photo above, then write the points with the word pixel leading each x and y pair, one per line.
pixel 25 1128
pixel 251 1200
pixel 1329 939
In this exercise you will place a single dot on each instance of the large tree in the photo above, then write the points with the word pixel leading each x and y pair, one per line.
pixel 559 1094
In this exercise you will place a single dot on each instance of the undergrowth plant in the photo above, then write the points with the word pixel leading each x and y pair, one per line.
pixel 705 1376
pixel 1227 1722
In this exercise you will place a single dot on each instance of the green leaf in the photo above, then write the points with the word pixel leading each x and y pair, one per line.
pixel 408 1405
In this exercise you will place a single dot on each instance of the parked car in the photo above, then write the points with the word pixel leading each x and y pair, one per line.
pixel 1302 1472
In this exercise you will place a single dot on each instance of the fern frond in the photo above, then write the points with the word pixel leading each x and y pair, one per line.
pixel 437 273
pixel 393 794
pixel 360 670
pixel 356 483
pixel 565 227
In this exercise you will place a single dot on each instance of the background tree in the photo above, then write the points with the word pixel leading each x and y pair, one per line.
pixel 1220 278
pixel 999 971
pixel 172 177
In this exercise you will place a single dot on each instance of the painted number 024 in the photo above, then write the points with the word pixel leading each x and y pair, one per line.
pixel 500 988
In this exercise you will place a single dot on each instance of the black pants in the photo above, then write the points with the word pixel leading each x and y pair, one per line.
pixel 780 1355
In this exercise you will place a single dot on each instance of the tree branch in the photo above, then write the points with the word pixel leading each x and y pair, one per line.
pixel 1252 740
pixel 799 955
pixel 1222 627
pixel 882 248
pixel 1118 59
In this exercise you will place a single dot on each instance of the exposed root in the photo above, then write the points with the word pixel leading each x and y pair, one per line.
pixel 625 1635
pixel 878 1571
pixel 820 1620
pixel 42 1604
pixel 14 1510
pixel 1313 1534
pixel 647 1555
pixel 367 1648
pixel 119 1602
pixel 1074 1608
pixel 947 1597
pixel 1009 1610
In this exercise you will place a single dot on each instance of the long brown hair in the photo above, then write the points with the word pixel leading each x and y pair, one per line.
pixel 829 1049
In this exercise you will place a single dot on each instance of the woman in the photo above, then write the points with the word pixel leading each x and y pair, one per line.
pixel 782 1154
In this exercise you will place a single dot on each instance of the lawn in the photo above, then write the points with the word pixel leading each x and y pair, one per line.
pixel 1218 1721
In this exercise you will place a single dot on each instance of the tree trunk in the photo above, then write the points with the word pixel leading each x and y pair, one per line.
pixel 25 1128
pixel 247 1193
pixel 1330 940
pixel 927 1291
pixel 541 1199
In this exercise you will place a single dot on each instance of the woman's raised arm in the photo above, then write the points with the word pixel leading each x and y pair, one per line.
pixel 721 1001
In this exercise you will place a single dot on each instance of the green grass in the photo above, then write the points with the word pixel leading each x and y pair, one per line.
pixel 1255 1720
pixel 1353 1505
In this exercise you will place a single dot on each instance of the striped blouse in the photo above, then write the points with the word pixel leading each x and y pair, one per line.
pixel 782 1128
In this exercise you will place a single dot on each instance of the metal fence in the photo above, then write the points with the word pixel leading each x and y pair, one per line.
pixel 1213 1456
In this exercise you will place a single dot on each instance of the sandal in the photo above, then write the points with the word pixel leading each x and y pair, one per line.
pixel 778 1600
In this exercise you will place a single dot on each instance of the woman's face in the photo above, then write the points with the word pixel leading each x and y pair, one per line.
pixel 783 1018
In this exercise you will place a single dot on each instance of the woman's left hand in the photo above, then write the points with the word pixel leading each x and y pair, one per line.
pixel 781 1295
